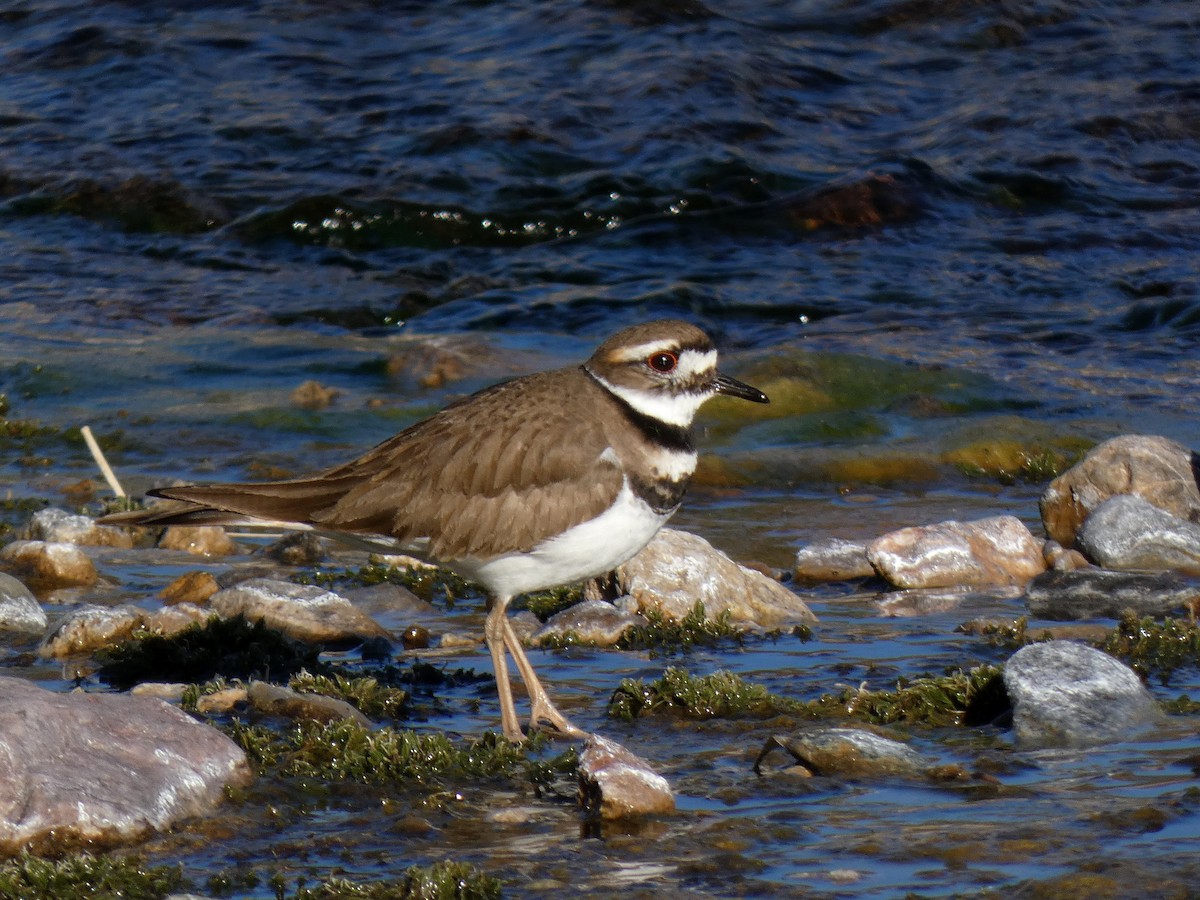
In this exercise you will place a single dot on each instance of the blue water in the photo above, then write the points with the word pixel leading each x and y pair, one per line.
pixel 990 208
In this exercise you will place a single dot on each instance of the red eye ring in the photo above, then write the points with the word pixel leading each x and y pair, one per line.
pixel 662 361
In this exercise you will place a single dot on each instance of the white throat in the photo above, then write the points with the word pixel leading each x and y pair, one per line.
pixel 673 409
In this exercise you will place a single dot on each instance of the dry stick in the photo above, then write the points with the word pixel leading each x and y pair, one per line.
pixel 98 455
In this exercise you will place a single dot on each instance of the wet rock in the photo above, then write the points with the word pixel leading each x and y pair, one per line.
pixel 305 612
pixel 274 700
pixel 993 551
pixel 1154 468
pixel 49 565
pixel 874 200
pixel 617 784
pixel 415 637
pixel 170 691
pixel 201 540
pixel 1094 593
pixel 387 598
pixel 59 526
pixel 847 752
pixel 1061 559
pixel 920 602
pixel 677 569
pixel 832 560
pixel 222 701
pixel 90 628
pixel 174 619
pixel 1128 532
pixel 299 548
pixel 1066 694
pixel 190 587
pixel 103 769
pixel 595 622
pixel 19 611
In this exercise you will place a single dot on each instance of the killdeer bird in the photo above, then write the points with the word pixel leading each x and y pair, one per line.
pixel 533 483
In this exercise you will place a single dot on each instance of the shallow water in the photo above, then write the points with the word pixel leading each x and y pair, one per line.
pixel 202 206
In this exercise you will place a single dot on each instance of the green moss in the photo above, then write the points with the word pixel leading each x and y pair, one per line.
pixel 545 604
pixel 83 877
pixel 719 695
pixel 444 880
pixel 694 629
pixel 346 751
pixel 1183 705
pixel 1155 648
pixel 426 582
pixel 953 699
pixel 232 648
pixel 372 699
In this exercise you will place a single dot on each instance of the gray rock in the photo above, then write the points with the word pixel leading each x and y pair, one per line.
pixel 103 769
pixel 1100 593
pixel 995 551
pixel 274 700
pixel 1066 694
pixel 595 622
pixel 832 560
pixel 1155 468
pixel 59 526
pixel 19 611
pixel 848 752
pixel 617 784
pixel 49 564
pixel 305 612
pixel 90 628
pixel 1128 532
pixel 677 569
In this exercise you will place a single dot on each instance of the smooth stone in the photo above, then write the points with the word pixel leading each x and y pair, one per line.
pixel 103 769
pixel 305 612
pixel 847 752
pixel 1066 694
pixel 48 565
pixel 1155 468
pixel 386 598
pixel 832 560
pixel 1129 532
pixel 615 783
pixel 222 701
pixel 299 548
pixel 595 622
pixel 1062 560
pixel 19 610
pixel 1101 593
pixel 995 551
pixel 89 628
pixel 170 691
pixel 190 587
pixel 273 700
pixel 199 540
pixel 920 602
pixel 59 526
pixel 676 570
pixel 168 620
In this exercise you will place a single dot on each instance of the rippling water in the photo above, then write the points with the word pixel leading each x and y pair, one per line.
pixel 976 218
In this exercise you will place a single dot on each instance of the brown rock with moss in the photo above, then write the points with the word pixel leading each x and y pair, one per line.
pixel 190 587
pixel 1157 469
pixel 995 551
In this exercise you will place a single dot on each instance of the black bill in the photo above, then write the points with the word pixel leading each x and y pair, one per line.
pixel 735 388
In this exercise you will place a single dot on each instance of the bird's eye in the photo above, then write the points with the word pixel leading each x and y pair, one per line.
pixel 663 362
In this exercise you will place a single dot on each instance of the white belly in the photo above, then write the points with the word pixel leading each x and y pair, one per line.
pixel 585 551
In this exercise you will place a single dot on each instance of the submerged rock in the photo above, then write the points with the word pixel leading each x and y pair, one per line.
pixel 993 551
pixel 1129 532
pixel 274 700
pixel 199 540
pixel 19 611
pixel 676 570
pixel 843 751
pixel 1073 695
pixel 617 784
pixel 103 769
pixel 1154 468
pixel 190 587
pixel 594 622
pixel 1094 593
pixel 305 612
pixel 832 560
pixel 47 565
pixel 59 526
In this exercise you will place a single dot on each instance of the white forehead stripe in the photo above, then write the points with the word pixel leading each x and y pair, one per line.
pixel 690 361
pixel 693 362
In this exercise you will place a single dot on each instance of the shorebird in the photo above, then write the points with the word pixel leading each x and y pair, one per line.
pixel 541 481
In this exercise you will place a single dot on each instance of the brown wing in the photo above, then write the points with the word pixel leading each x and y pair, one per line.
pixel 494 473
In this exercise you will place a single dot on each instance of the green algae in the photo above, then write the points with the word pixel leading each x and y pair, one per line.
pixel 427 582
pixel 694 629
pixel 233 648
pixel 84 877
pixel 956 698
pixel 444 880
pixel 545 604
pixel 365 693
pixel 1156 648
